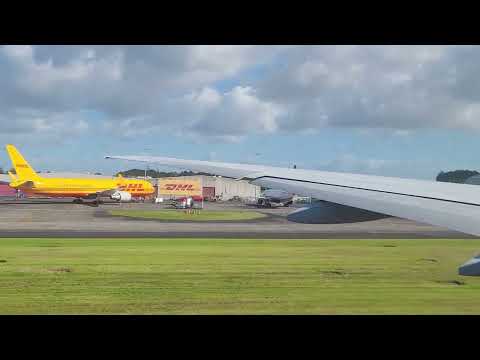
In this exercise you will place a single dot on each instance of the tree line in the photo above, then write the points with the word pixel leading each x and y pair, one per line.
pixel 138 173
pixel 456 176
pixel 12 170
pixel 158 174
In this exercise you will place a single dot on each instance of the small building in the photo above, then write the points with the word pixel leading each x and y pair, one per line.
pixel 217 187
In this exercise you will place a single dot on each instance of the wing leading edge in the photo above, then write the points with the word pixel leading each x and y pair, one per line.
pixel 455 206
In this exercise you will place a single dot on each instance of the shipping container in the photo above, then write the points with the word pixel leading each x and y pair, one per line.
pixel 209 192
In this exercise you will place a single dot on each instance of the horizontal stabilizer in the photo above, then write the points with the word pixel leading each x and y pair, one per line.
pixel 21 183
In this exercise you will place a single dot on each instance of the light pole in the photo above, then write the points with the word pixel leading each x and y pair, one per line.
pixel 146 167
pixel 256 154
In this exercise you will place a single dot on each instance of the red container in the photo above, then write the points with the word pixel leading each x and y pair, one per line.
pixel 6 190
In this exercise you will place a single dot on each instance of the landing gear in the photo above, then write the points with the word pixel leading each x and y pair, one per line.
pixel 97 201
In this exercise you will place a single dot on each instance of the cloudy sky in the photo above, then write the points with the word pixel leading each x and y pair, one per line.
pixel 407 111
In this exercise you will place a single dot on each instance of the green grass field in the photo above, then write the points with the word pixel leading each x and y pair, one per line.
pixel 205 276
pixel 181 215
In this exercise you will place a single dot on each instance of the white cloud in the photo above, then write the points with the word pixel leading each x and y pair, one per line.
pixel 236 113
pixel 395 87
pixel 204 92
pixel 224 59
pixel 209 115
pixel 38 77
pixel 352 163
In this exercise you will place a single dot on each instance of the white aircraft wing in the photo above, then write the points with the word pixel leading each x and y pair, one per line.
pixel 455 206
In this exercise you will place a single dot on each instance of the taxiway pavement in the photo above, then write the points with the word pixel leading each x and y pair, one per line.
pixel 61 218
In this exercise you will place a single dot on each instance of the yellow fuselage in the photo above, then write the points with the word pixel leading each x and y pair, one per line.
pixel 29 182
pixel 77 187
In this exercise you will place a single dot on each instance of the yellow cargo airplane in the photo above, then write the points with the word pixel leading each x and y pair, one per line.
pixel 28 181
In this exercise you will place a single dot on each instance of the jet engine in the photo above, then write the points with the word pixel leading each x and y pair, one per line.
pixel 122 196
pixel 275 198
pixel 324 212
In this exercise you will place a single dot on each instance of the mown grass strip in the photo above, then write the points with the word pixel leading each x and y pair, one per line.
pixel 236 276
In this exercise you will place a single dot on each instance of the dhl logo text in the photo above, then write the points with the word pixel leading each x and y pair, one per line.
pixel 179 187
pixel 131 187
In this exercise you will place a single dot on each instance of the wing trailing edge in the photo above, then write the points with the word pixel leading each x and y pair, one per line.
pixel 455 206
